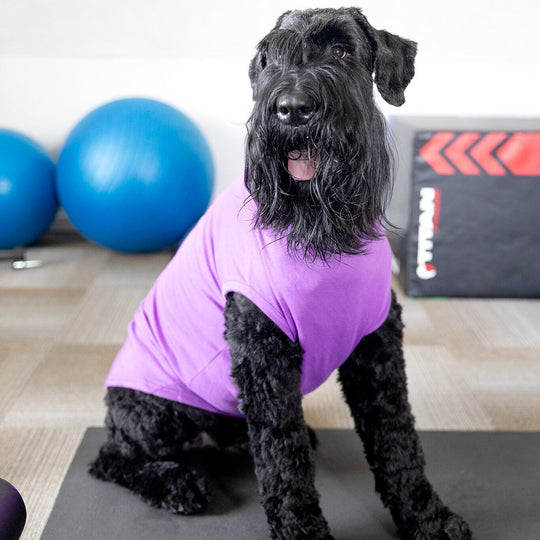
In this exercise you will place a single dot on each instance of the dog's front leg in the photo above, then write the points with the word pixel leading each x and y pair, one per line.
pixel 374 384
pixel 266 366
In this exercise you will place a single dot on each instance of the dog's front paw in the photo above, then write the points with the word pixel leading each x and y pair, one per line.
pixel 445 525
pixel 456 528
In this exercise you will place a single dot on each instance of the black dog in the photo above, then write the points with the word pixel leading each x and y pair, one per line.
pixel 318 178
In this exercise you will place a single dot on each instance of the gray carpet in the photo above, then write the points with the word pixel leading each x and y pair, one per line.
pixel 492 479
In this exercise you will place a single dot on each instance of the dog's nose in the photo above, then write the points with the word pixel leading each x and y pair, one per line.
pixel 294 108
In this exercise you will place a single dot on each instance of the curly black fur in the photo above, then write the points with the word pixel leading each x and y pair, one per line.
pixel 375 388
pixel 330 57
pixel 149 442
pixel 265 359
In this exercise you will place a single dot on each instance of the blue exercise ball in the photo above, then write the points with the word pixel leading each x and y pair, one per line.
pixel 134 175
pixel 28 201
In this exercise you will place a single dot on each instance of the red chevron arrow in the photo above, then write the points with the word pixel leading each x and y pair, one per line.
pixel 521 154
pixel 431 152
pixel 482 153
pixel 456 153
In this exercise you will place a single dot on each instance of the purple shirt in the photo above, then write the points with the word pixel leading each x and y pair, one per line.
pixel 175 347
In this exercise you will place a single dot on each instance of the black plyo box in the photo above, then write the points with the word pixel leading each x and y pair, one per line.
pixel 466 206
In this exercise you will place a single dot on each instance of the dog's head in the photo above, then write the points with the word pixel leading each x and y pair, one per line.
pixel 317 162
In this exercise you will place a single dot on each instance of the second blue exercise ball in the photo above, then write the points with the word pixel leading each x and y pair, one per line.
pixel 134 175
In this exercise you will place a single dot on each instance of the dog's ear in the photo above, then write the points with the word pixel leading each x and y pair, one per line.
pixel 282 18
pixel 393 60
pixel 394 66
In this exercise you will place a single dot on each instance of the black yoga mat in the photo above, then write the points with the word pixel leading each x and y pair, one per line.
pixel 491 479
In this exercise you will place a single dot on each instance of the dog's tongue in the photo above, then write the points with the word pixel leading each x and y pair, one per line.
pixel 301 165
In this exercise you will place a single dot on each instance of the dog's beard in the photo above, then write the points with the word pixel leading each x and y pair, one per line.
pixel 330 203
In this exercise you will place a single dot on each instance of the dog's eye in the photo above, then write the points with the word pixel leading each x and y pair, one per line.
pixel 338 52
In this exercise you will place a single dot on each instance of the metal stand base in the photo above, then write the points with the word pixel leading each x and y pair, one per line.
pixel 18 260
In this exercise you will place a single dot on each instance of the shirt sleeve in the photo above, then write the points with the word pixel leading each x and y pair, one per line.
pixel 263 304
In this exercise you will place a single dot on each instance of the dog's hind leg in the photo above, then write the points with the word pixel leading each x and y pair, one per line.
pixel 375 387
pixel 266 366
pixel 143 451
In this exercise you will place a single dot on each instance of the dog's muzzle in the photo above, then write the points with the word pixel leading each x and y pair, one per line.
pixel 295 108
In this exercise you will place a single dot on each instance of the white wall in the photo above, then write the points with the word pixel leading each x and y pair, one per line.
pixel 61 58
